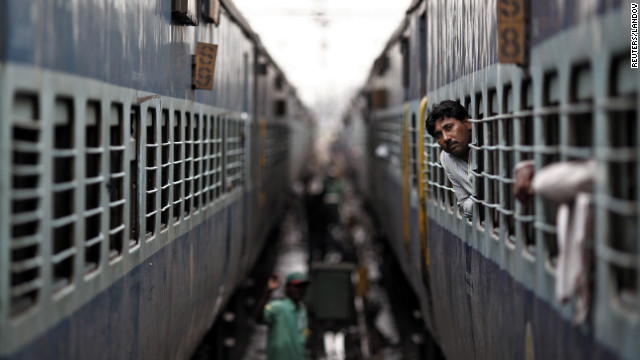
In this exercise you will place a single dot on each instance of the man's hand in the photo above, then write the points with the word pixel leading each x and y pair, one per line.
pixel 524 174
pixel 274 282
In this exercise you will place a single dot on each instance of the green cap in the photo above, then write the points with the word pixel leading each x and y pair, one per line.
pixel 297 278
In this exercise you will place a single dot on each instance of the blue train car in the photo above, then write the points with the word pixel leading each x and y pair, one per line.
pixel 132 204
pixel 486 284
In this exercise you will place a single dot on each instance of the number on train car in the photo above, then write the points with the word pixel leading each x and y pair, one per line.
pixel 512 31
pixel 205 66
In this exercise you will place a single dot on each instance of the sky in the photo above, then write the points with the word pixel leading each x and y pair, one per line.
pixel 326 57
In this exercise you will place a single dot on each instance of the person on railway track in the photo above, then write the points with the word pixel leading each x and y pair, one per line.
pixel 286 318
pixel 448 122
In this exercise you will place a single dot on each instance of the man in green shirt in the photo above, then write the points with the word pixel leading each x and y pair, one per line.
pixel 286 318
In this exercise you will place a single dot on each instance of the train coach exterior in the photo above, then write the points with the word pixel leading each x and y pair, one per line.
pixel 132 205
pixel 486 284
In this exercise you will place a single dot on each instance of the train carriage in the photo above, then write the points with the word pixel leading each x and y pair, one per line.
pixel 132 204
pixel 486 284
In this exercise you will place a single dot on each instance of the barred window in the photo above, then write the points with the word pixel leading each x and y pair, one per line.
pixel 134 175
pixel 211 158
pixel 620 201
pixel 234 154
pixel 165 200
pixel 188 162
pixel 93 186
pixel 550 139
pixel 507 157
pixel 25 270
pixel 413 152
pixel 197 187
pixel 178 161
pixel 206 156
pixel 63 248
pixel 525 147
pixel 151 192
pixel 116 183
pixel 479 141
pixel 219 131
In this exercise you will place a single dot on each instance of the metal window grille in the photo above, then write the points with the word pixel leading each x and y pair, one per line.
pixel 116 182
pixel 165 185
pixel 211 158
pixel 25 276
pixel 135 148
pixel 506 129
pixel 479 141
pixel 524 149
pixel 206 156
pixel 548 120
pixel 413 151
pixel 197 160
pixel 234 154
pixel 217 158
pixel 188 162
pixel 151 169
pixel 178 161
pixel 64 195
pixel 619 202
pixel 94 183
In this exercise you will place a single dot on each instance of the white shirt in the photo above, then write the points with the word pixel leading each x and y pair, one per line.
pixel 461 178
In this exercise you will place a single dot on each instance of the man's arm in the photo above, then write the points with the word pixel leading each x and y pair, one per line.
pixel 463 194
pixel 272 284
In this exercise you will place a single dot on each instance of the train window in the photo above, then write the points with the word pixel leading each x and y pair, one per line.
pixel 188 160
pixel 151 193
pixel 93 181
pixel 234 154
pixel 165 200
pixel 506 131
pixel 134 174
pixel 64 195
pixel 281 107
pixel 550 154
pixel 116 183
pixel 211 158
pixel 406 61
pixel 479 140
pixel 218 156
pixel 413 152
pixel 25 279
pixel 524 128
pixel 621 200
pixel 423 53
pixel 178 160
pixel 279 82
pixel 185 12
pixel 204 178
pixel 493 161
pixel 580 134
pixel 196 163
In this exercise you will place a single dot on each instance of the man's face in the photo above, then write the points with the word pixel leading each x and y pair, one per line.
pixel 453 135
pixel 296 292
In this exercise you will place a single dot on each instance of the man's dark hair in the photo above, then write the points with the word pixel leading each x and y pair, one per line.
pixel 447 108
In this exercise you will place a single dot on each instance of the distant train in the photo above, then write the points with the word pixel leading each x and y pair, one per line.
pixel 132 204
pixel 486 284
